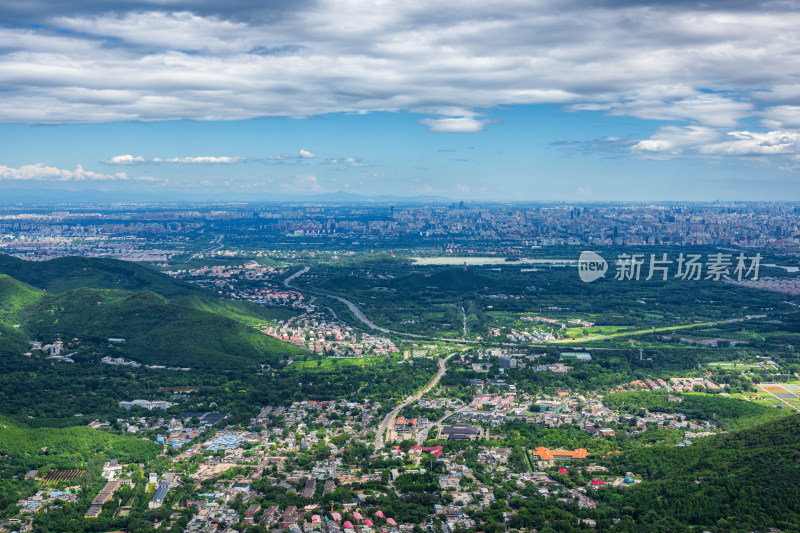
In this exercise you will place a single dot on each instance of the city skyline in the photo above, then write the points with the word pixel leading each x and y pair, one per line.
pixel 618 100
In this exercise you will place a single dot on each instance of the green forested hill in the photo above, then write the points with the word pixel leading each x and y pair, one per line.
pixel 155 330
pixel 743 481
pixel 728 413
pixel 12 340
pixel 241 310
pixel 23 448
pixel 15 295
pixel 205 334
pixel 76 448
pixel 67 273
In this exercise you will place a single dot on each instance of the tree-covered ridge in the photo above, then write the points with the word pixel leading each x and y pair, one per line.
pixel 15 295
pixel 243 311
pixel 744 481
pixel 727 413
pixel 68 273
pixel 156 331
pixel 25 448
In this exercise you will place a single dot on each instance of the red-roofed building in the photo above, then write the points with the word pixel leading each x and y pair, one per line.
pixel 546 454
pixel 436 451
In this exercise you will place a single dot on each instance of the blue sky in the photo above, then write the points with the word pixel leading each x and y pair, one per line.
pixel 588 101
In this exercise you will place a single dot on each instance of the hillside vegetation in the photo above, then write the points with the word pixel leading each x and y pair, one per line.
pixel 752 475
pixel 728 413
pixel 66 448
pixel 193 330
pixel 25 448
pixel 68 273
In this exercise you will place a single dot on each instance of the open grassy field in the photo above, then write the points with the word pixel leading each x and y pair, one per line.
pixel 334 362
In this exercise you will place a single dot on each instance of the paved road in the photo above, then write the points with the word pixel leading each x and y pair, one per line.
pixel 361 316
pixel 367 322
pixel 358 313
pixel 288 281
pixel 387 424
pixel 656 330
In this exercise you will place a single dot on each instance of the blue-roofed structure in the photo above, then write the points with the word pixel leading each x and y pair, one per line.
pixel 159 496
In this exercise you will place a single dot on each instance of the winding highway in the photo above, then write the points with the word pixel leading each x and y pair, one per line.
pixel 387 424
pixel 288 281
pixel 358 313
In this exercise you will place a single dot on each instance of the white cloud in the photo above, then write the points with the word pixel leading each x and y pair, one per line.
pixel 43 172
pixel 649 60
pixel 706 109
pixel 753 143
pixel 126 159
pixel 129 159
pixel 455 124
pixel 673 140
pixel 705 69
pixel 172 31
pixel 346 161
pixel 699 140
pixel 301 184
pixel 460 187
pixel 204 160
pixel 784 116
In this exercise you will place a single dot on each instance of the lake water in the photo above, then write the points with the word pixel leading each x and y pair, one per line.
pixel 481 261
